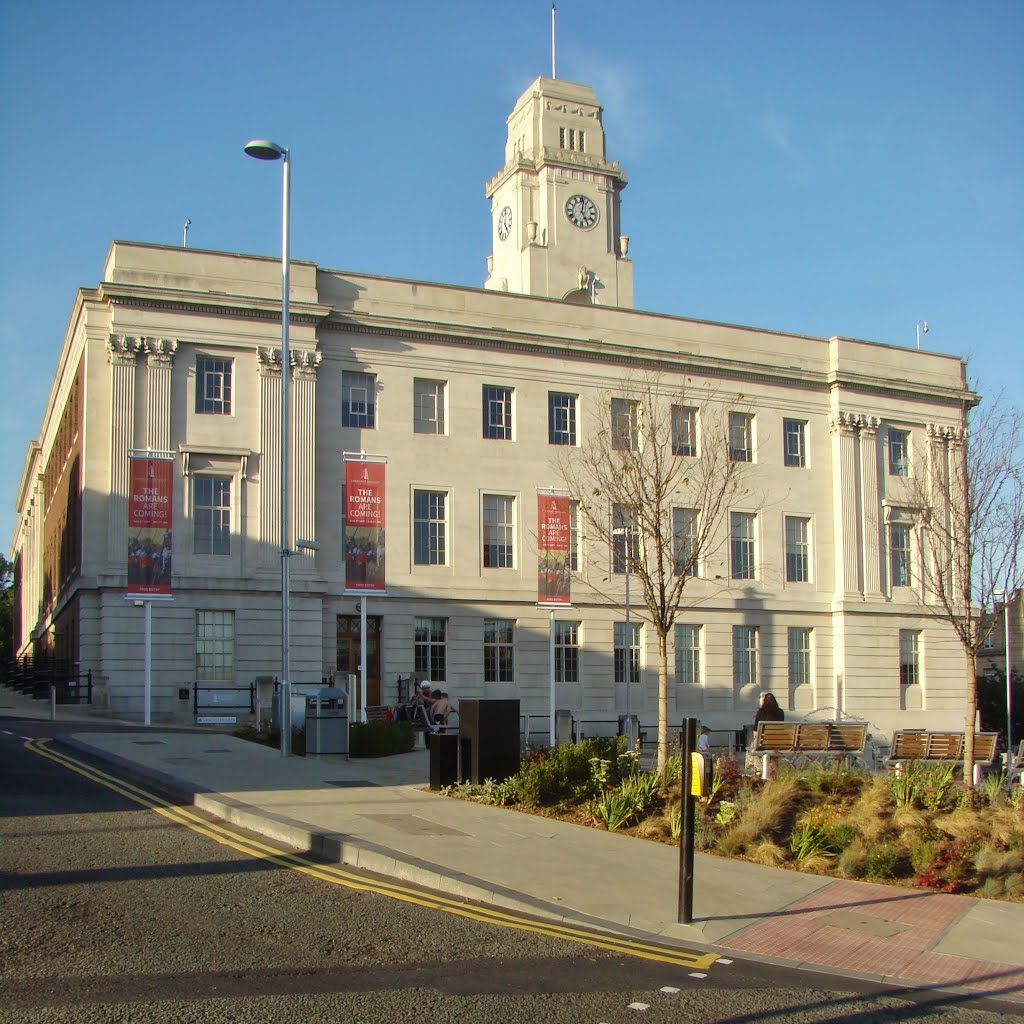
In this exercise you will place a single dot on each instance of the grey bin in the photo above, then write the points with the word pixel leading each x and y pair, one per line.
pixel 326 722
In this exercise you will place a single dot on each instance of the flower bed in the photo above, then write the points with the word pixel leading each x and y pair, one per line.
pixel 921 827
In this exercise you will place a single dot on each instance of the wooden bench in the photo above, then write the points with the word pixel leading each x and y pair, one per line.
pixel 939 747
pixel 794 742
pixel 1015 767
pixel 811 739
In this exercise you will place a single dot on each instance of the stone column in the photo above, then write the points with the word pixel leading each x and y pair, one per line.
pixel 846 504
pixel 270 456
pixel 304 369
pixel 872 523
pixel 122 355
pixel 159 362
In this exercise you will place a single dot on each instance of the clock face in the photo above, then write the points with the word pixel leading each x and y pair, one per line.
pixel 581 211
pixel 505 223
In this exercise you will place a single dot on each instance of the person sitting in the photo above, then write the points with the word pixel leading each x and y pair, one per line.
pixel 769 711
pixel 441 708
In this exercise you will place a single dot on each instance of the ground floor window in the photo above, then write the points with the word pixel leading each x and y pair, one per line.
pixel 627 651
pixel 430 649
pixel 567 652
pixel 215 647
pixel 499 660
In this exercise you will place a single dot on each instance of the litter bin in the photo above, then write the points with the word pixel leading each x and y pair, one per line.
pixel 491 729
pixel 444 759
pixel 326 722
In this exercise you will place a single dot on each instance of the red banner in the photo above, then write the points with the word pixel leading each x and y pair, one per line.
pixel 149 525
pixel 553 571
pixel 364 526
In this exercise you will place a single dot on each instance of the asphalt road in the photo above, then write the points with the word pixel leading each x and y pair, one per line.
pixel 109 912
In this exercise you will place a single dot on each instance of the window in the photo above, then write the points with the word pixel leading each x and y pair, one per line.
pixel 741 437
pixel 561 418
pixel 499 663
pixel 744 656
pixel 567 652
pixel 429 511
pixel 625 540
pixel 358 391
pixel 499 531
pixel 576 139
pixel 794 433
pixel 625 425
pixel 684 539
pixel 428 406
pixel 910 657
pixel 798 549
pixel 497 413
pixel 899 452
pixel 799 656
pixel 213 386
pixel 743 552
pixel 429 649
pixel 215 647
pixel 688 655
pixel 684 430
pixel 627 646
pixel 211 515
pixel 899 554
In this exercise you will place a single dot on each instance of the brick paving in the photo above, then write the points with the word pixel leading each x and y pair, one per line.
pixel 837 926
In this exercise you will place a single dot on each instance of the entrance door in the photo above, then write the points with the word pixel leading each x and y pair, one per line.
pixel 348 656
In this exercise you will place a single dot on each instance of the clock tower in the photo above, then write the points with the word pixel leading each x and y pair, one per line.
pixel 555 203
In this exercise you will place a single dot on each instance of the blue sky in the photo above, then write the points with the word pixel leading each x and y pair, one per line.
pixel 837 168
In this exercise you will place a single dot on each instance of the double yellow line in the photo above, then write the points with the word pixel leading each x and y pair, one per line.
pixel 337 875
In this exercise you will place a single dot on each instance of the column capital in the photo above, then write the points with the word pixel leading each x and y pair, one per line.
pixel 844 423
pixel 269 360
pixel 159 351
pixel 305 364
pixel 122 349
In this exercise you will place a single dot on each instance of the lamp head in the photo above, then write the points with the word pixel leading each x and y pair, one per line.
pixel 264 149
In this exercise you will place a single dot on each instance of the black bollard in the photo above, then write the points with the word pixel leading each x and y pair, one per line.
pixel 688 742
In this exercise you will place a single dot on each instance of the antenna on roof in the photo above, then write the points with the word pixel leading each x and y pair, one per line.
pixel 553 10
pixel 184 233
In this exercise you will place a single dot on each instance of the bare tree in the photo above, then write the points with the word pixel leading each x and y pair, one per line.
pixel 654 485
pixel 969 492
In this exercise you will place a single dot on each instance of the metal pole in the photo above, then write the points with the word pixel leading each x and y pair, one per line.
pixel 630 744
pixel 1009 681
pixel 686 831
pixel 147 686
pixel 362 657
pixel 551 664
pixel 286 372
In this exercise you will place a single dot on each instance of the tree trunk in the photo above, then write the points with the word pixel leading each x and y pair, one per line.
pixel 662 701
pixel 972 709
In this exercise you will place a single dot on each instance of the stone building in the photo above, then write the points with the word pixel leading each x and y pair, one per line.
pixel 468 393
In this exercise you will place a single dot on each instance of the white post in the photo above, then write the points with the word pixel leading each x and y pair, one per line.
pixel 362 657
pixel 1009 679
pixel 551 661
pixel 147 686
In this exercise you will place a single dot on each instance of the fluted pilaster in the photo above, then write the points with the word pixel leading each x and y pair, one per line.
pixel 871 518
pixel 846 503
pixel 270 454
pixel 304 370
pixel 122 354
pixel 160 361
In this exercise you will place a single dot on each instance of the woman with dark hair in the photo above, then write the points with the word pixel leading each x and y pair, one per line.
pixel 769 711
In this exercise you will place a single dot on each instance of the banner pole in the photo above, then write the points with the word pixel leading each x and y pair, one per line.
pixel 362 657
pixel 551 660
pixel 147 689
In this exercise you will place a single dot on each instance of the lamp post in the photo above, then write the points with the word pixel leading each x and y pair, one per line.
pixel 264 149
pixel 921 325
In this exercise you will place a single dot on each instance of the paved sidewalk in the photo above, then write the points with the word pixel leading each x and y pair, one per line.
pixel 377 814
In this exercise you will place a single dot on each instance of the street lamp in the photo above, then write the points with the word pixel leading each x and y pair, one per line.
pixel 921 325
pixel 264 149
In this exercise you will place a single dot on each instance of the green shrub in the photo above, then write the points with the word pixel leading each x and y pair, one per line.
pixel 841 836
pixel 380 739
pixel 885 860
pixel 564 772
pixel 612 808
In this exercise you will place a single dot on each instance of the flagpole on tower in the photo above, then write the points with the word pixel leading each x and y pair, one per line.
pixel 553 75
